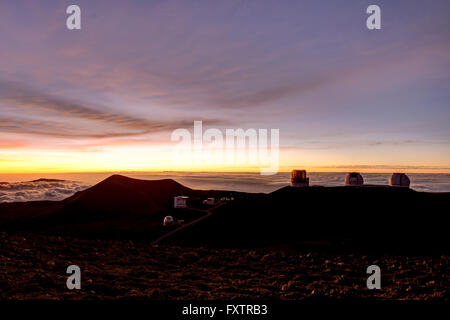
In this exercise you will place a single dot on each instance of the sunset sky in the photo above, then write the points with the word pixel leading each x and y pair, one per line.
pixel 108 97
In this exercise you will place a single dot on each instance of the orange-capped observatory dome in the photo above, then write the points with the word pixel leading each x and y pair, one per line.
pixel 299 178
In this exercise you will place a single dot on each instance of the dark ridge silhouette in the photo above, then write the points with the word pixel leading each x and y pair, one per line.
pixel 376 217
pixel 379 217
pixel 18 213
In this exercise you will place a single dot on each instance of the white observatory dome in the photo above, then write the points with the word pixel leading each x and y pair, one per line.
pixel 399 180
pixel 354 179
pixel 168 220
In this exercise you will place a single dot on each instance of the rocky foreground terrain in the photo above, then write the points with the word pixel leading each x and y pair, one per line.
pixel 34 267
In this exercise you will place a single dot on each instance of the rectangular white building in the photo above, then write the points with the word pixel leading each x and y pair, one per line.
pixel 180 202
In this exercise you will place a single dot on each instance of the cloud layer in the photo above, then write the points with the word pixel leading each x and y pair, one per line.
pixel 37 190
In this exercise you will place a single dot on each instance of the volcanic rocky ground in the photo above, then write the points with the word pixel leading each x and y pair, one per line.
pixel 33 267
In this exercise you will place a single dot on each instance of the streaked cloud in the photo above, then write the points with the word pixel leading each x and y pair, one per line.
pixel 74 119
pixel 332 87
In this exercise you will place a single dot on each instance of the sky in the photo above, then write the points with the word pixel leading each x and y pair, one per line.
pixel 107 97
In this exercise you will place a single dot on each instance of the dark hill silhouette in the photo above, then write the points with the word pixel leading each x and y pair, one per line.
pixel 122 194
pixel 378 217
pixel 117 205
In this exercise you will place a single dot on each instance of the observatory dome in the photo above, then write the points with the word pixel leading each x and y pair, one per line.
pixel 299 178
pixel 354 179
pixel 168 220
pixel 399 180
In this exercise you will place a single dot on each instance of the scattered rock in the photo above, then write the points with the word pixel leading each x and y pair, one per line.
pixel 214 274
pixel 190 256
pixel 51 263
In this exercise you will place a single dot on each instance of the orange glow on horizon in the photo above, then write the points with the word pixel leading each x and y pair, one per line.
pixel 158 157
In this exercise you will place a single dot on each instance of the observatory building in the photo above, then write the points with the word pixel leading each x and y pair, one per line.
pixel 354 179
pixel 399 180
pixel 209 201
pixel 180 202
pixel 299 179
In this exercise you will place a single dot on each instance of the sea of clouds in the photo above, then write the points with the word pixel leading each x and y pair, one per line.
pixel 52 189
pixel 42 189
pixel 254 182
